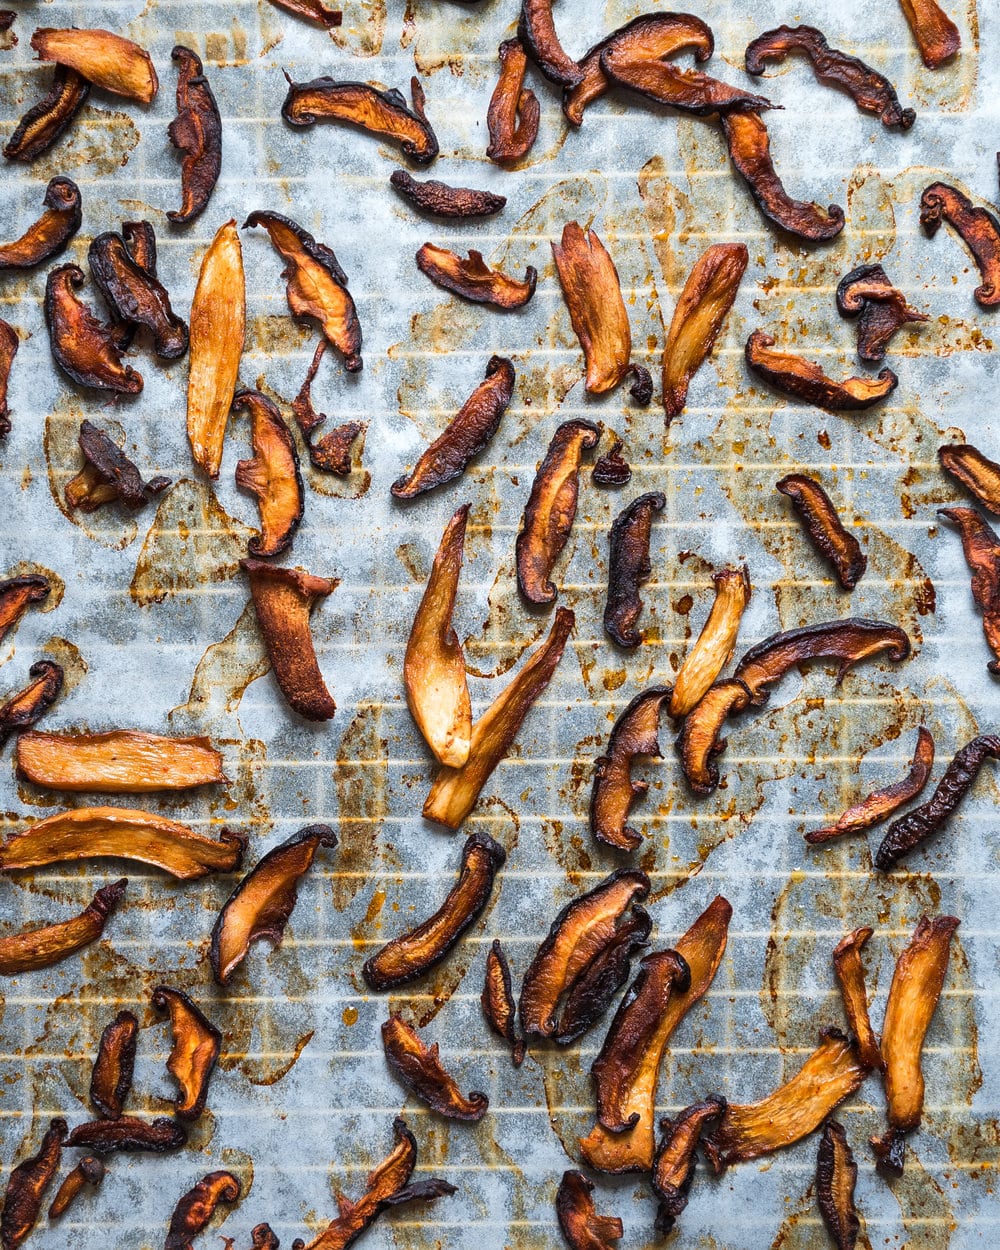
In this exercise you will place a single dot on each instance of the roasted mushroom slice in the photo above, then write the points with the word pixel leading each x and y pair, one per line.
pixel 16 595
pixel 272 476
pixel 27 706
pixel 715 644
pixel 581 1226
pixel 437 692
pixel 41 948
pixel 196 1045
pixel 936 34
pixel 585 959
pixel 536 30
pixel 262 903
pixel 83 347
pixel 262 1237
pixel 51 233
pixel 687 89
pixel 130 1134
pixel 978 474
pixel 332 452
pixel 419 1068
pixel 978 229
pixel 312 11
pixel 27 1184
pixel 629 567
pixel 9 343
pixel 981 548
pixel 417 951
pixel 196 132
pixel 135 296
pixel 45 122
pixel 194 1210
pixel 107 60
pixel 824 528
pixel 498 1003
pixel 802 379
pixel 700 738
pixel 122 761
pixel 472 279
pixel 850 975
pixel 383 113
pixel 702 308
pixel 454 791
pixel 441 200
pixel 635 734
pixel 89 1171
pixel 107 476
pixel 514 112
pixel 551 509
pixel 111 1078
pixel 465 435
pixel 612 469
pixel 676 1158
pixel 881 309
pixel 593 295
pixel 283 600
pixel 836 1176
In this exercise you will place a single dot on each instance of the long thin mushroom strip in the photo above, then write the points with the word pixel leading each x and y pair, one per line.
pixel 978 229
pixel 441 200
pixel 27 706
pixel 108 475
pixel 850 974
pixel 836 1176
pixel 194 1209
pixel 107 60
pixel 196 133
pixel 981 548
pixel 913 829
pixel 130 1134
pixel 45 122
pixel 871 91
pixel 41 948
pixel 976 472
pixel 676 1159
pixel 261 905
pixel 420 1069
pixel 593 295
pixel 9 343
pixel 89 1171
pixel 27 1184
pixel 881 310
pixel 629 567
pixel 686 89
pixel 272 476
pixel 383 113
pixel 437 690
pixel 635 735
pixel 465 435
pixel 16 596
pixel 121 833
pixel 936 34
pixel 581 1226
pixel 626 1070
pixel 715 644
pixel 423 947
pixel 750 151
pixel 454 791
pixel 51 233
pixel 802 379
pixel 824 528
pixel 700 740
pixel 881 803
pixel 514 112
pixel 122 761
pixel 472 279
pixel 551 509
pixel 283 600
pixel 111 1077
pixel 312 11
pixel 536 29
pixel 498 1003
pixel 195 1048
pixel 83 347
pixel 135 296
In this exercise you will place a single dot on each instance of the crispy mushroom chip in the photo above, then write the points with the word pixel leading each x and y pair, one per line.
pixel 383 113
pixel 107 60
pixel 196 133
pixel 936 34
pixel 612 469
pixel 333 452
pixel 626 63
pixel 676 1158
pixel 592 292
pixel 51 233
pixel 107 476
pixel 981 548
pixel 472 279
pixel 129 1134
pixel 27 1184
pixel 881 309
pixel 441 200
pixel 136 296
pixel 27 706
pixel 83 347
pixel 89 1171
pixel 793 375
pixel 581 1226
pixel 700 739
pixel 195 1048
pixel 45 122
pixel 978 229
pixel 536 30
pixel 850 975
pixel 824 528
pixel 312 11
pixel 420 1069
pixel 498 1003
pixel 197 1206
pixel 514 112
pixel 122 761
pixel 41 948
pixel 111 1077
pixel 635 734
pixel 16 595
pixel 836 1176
pixel 715 644
pixel 9 343
pixel 272 476
pixel 629 567
pixel 976 472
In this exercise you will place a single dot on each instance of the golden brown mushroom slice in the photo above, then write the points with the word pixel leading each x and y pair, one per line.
pixel 312 11
pixel 715 644
pixel 635 734
pixel 111 1077
pixel 420 1069
pixel 262 903
pixel 936 34
pixel 536 29
pixel 676 1158
pixel 454 791
pixel 437 692
pixel 218 325
pixel 16 595
pixel 700 740
pixel 383 113
pixel 272 476
pixel 121 833
pixel 836 1176
pixel 498 1003
pixel 196 133
pixel 981 548
pixel 51 233
pixel 978 229
pixel 824 528
pixel 881 310
pixel 283 600
pixel 27 1184
pixel 551 509
pixel 45 122
pixel 976 472
pixel 195 1048
pixel 83 347
pixel 106 60
pixel 9 343
pixel 514 112
pixel 122 761
pixel 581 1226
pixel 850 974
pixel 136 296
pixel 89 1171
pixel 629 567
pixel 441 200
pixel 802 379
pixel 593 295
pixel 41 948
pixel 472 279
pixel 130 1134
pixel 27 706
pixel 108 475
pixel 194 1209
pixel 628 65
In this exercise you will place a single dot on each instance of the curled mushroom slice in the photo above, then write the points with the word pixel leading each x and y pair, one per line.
pixel 612 469
pixel 383 113
pixel 629 567
pixel 195 1048
pixel 27 706
pixel 536 30
pixel 441 200
pixel 111 1078
pixel 454 791
pixel 218 324
pixel 41 948
pixel 420 1069
pixel 978 229
pixel 936 34
pixel 635 734
pixel 551 509
pixel 272 476
pixel 130 1134
pixel 687 89
pixel 676 1158
pixel 880 804
pixel 312 11
pixel 592 292
pixel 262 1237
pixel 51 233
pixel 82 346
pixel 881 309
pixel 981 548
pixel 27 1184
pixel 107 476
pixel 581 1226
pixel 824 528
pixel 196 133
pixel 135 296
pixel 701 311
pixel 45 122
pixel 850 975
pixel 16 595
pixel 836 1176
pixel 194 1210
pixel 498 1003
pixel 700 738
pixel 107 60
pixel 472 279
pixel 283 600
pixel 715 644
pixel 750 151
pixel 262 903
pixel 9 343
pixel 514 112
pixel 122 761
pixel 437 692
pixel 793 375
pixel 585 959
pixel 89 1171
pixel 976 472
pixel 332 452
pixel 465 435
pixel 121 833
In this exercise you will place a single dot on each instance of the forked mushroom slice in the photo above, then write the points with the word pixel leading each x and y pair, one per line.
pixel 218 324
pixel 41 948
pixel 262 903
pixel 585 958
pixel 130 1134
pixel 831 1073
pixel 83 347
pixel 514 112
pixel 27 706
pixel 27 1184
pixel 45 122
pixel 332 452
pixel 629 567
pixel 551 509
pixel 715 644
pixel 701 311
pixel 465 435
pixel 978 474
pixel 196 133
pixel 283 600
pixel 194 1210
pixel 316 286
pixel 612 469
pixel 536 30
pixel 499 1006
pixel 121 833
pixel 685 89
pixel 936 34
pixel 824 528
pixel 383 113
pixel 437 692
pixel 794 375
pixel 111 1077
pixel 106 60
pixel 581 1226
pixel 51 233
pixel 423 947
pixel 978 229
pixel 472 279
pixel 454 791
pixel 272 476
pixel 881 309
pixel 9 343
pixel 981 548
pixel 700 738
pixel 593 295
pixel 107 475
pixel 880 804
pixel 626 1069
pixel 750 151
pixel 850 974
pixel 836 1176
pixel 89 1171
pixel 635 734
pixel 312 11
pixel 16 595
pixel 419 1068
pixel 195 1048
pixel 135 296
pixel 442 200
pixel 676 1158
pixel 122 761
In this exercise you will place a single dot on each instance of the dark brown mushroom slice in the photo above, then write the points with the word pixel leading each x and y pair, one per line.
pixel 714 646
pixel 592 291
pixel 332 453
pixel 976 472
pixel 32 949
pixel 978 229
pixel 159 1136
pixel 936 34
pixel 262 903
pixel 420 1069
pixel 195 1208
pixel 514 112
pixel 105 59
pixel 140 239
pixel 824 528
pixel 194 1050
pixel 881 309
pixel 581 1226
pixel 750 151
pixel 614 794
pixel 498 1002
pixel 981 548
pixel 802 379
pixel 27 706
pixel 51 233
pixel 383 113
pixel 871 91
pixel 421 948
pixel 83 347
pixel 16 595
pixel 472 279
pixel 629 567
pixel 45 122
pixel 313 11
pixel 27 1184
pixel 9 343
pixel 441 200
pixel 89 1171
pixel 700 740
pixel 836 1176
pixel 262 1237
pixel 111 1077
pixel 612 469
pixel 536 29
pixel 850 973
pixel 196 133
pixel 551 509
pixel 676 1158
pixel 272 476
pixel 465 435
pixel 108 475
pixel 686 89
